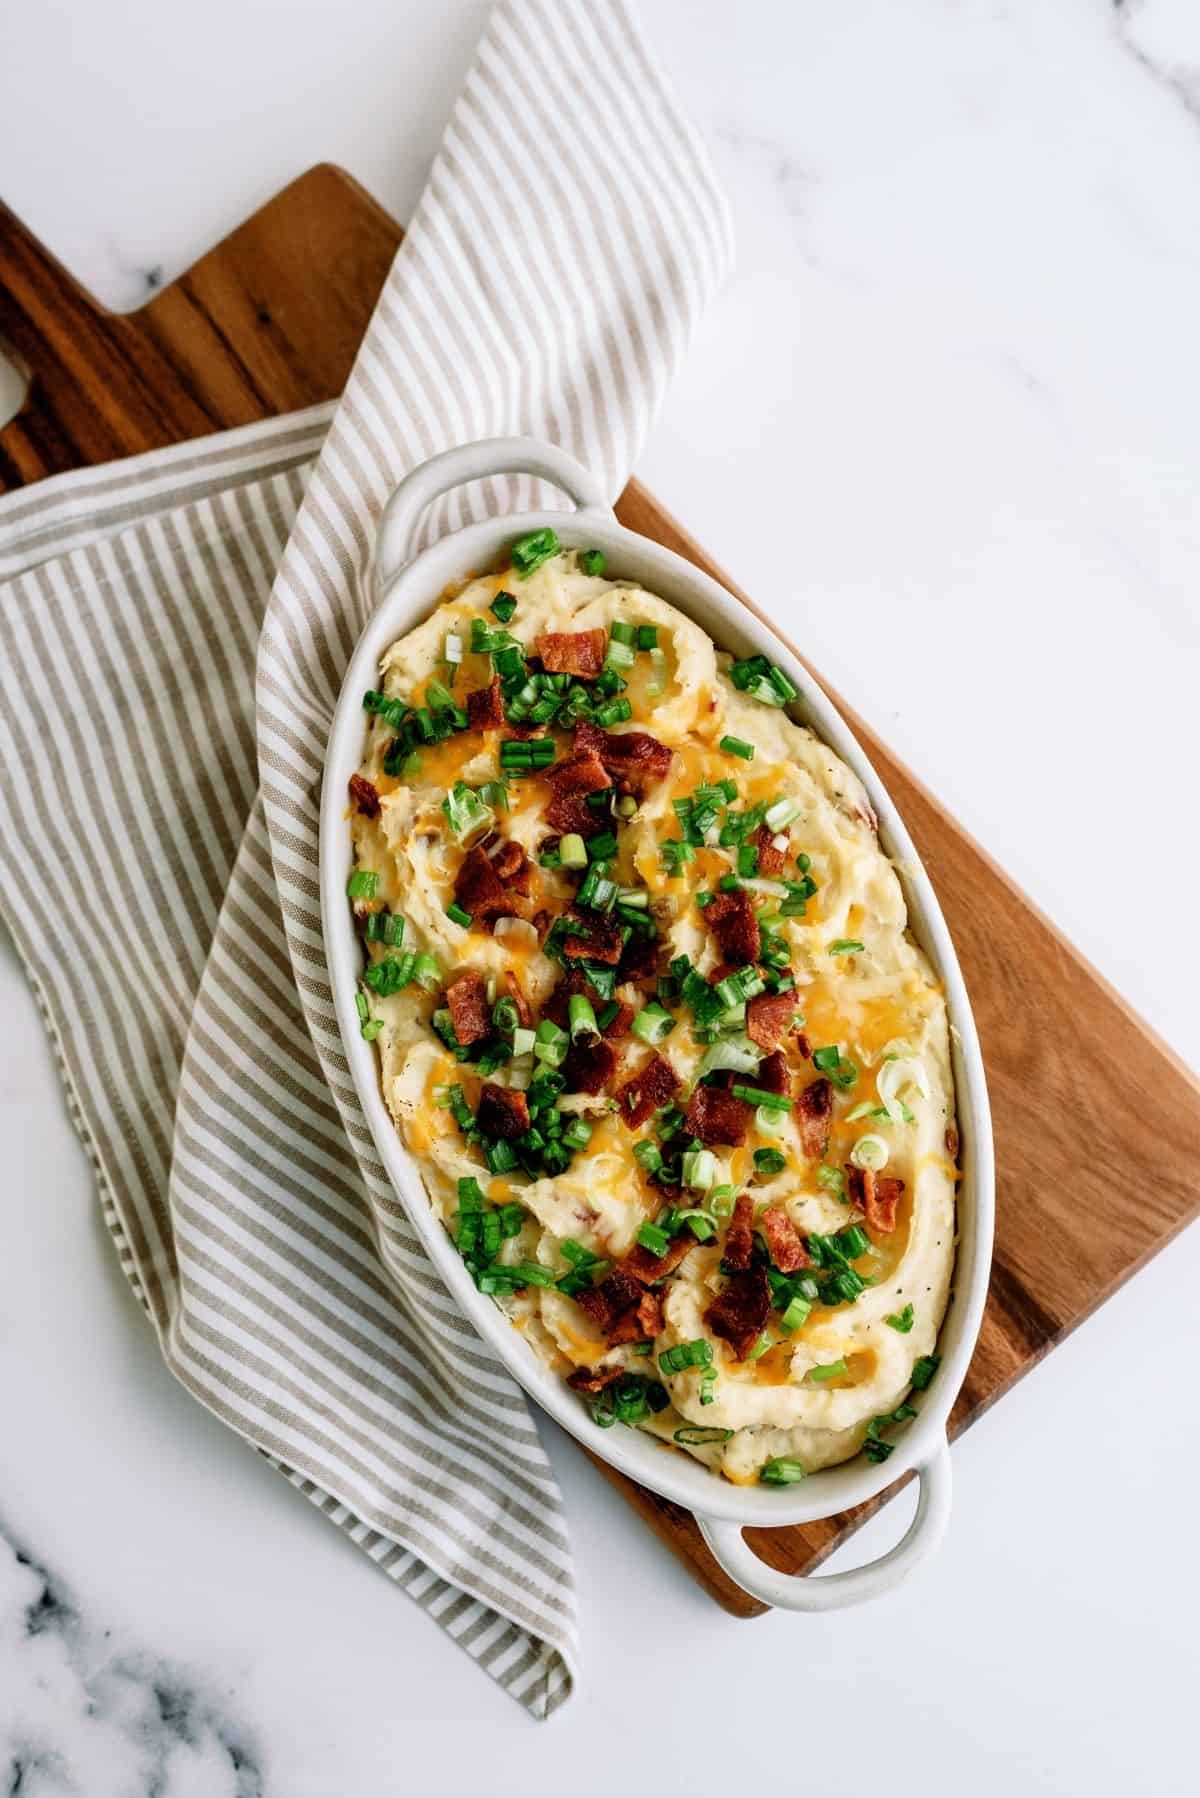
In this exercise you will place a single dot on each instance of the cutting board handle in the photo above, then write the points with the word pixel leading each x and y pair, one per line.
pixel 835 1591
pixel 475 462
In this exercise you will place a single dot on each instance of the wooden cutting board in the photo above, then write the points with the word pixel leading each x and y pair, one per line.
pixel 1084 1096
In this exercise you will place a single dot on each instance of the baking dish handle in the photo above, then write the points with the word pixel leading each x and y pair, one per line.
pixel 834 1591
pixel 474 462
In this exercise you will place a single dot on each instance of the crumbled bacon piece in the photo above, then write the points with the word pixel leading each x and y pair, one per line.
pixel 650 1314
pixel 742 1309
pixel 366 799
pixel 589 1067
pixel 643 1322
pixel 784 1243
pixel 739 1238
pixel 485 710
pixel 478 889
pixel 717 1117
pixel 803 1045
pixel 731 919
pixel 639 958
pixel 632 757
pixel 469 1011
pixel 773 1075
pixel 601 941
pixel 580 653
pixel 618 1024
pixel 652 1087
pixel 502 1111
pixel 605 1303
pixel 771 861
pixel 951 1141
pixel 876 1195
pixel 648 1269
pixel 512 866
pixel 593 1379
pixel 570 782
pixel 814 1109
pixel 769 1018
pixel 517 994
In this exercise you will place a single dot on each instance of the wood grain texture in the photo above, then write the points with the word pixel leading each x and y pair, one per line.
pixel 1097 1123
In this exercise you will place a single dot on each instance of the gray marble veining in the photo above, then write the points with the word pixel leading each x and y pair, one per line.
pixel 82 1712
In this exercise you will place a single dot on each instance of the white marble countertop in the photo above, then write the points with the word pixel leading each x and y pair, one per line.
pixel 944 421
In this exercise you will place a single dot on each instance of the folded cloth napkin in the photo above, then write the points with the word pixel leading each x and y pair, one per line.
pixel 158 843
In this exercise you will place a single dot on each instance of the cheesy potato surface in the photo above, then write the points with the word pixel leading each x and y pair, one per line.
pixel 649 1018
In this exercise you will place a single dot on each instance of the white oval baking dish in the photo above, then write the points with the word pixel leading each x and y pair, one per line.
pixel 406 593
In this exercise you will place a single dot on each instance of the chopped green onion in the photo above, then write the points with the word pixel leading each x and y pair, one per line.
pixel 830 1060
pixel 391 975
pixel 781 1471
pixel 505 1017
pixel 592 561
pixel 760 1347
pixel 778 816
pixel 523 755
pixel 529 552
pixel 831 1370
pixel 697 1434
pixel 522 1042
pixel 648 1156
pixel 578 1134
pixel 466 813
pixel 796 1314
pixel 923 1371
pixel 503 606
pixel 757 1095
pixel 686 1354
pixel 832 1179
pixel 699 1169
pixel 846 945
pixel 457 915
pixel 901 1320
pixel 616 711
pixel 700 1224
pixel 865 1110
pixel 582 1018
pixel 392 711
pixel 737 746
pixel 769 1161
pixel 653 1239
pixel 652 1023
pixel 572 851
pixel 362 884
pixel 426 971
pixel 870 1151
pixel 550 1044
pixel 529 1273
pixel 734 1052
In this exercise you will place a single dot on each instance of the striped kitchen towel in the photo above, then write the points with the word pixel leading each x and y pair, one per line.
pixel 174 634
